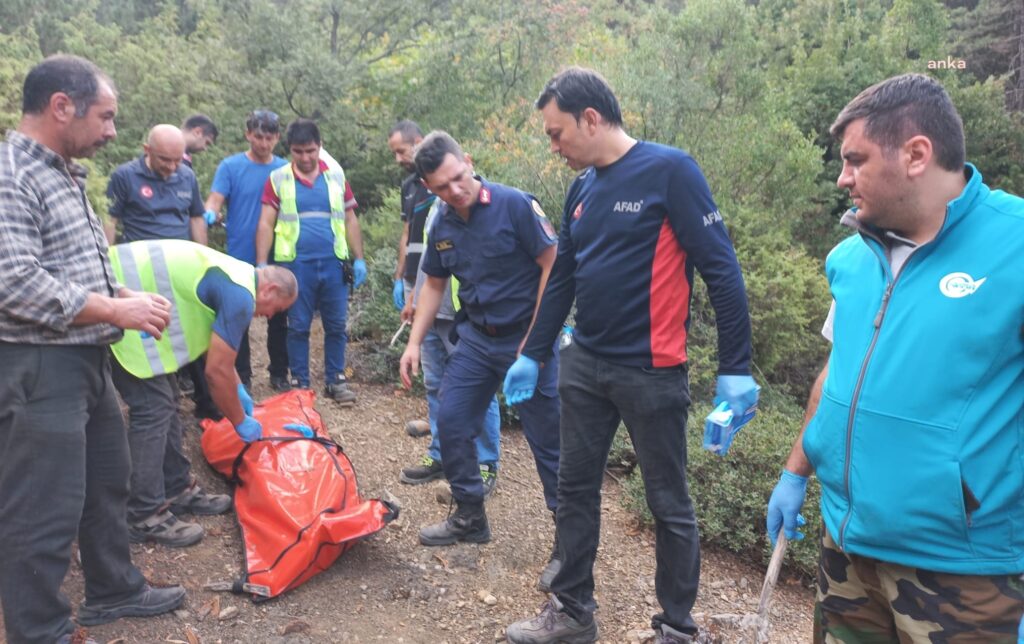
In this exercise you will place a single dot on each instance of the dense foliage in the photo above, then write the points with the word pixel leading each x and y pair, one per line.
pixel 748 87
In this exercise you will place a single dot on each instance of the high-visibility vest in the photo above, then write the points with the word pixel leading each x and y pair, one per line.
pixel 454 281
pixel 172 268
pixel 286 231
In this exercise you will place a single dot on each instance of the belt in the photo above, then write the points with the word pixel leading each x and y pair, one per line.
pixel 503 330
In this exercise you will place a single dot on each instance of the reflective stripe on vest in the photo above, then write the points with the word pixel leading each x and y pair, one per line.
pixel 453 281
pixel 286 231
pixel 173 269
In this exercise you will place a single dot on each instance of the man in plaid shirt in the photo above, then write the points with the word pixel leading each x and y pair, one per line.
pixel 64 461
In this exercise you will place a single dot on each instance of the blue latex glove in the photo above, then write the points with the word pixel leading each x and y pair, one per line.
pixel 398 294
pixel 299 428
pixel 784 506
pixel 245 399
pixel 249 429
pixel 210 217
pixel 359 273
pixel 521 380
pixel 741 392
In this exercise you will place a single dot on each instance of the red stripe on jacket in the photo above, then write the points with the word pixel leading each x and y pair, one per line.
pixel 670 300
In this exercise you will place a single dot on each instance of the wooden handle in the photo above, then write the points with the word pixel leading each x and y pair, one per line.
pixel 772 576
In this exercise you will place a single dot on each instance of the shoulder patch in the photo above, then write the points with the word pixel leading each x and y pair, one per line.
pixel 536 208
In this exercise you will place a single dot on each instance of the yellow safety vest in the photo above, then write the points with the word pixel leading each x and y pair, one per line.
pixel 172 268
pixel 286 232
pixel 454 281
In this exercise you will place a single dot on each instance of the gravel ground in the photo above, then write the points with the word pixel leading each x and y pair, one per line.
pixel 391 589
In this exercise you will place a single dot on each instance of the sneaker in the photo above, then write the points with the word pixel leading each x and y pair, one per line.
pixel 167 529
pixel 552 568
pixel 185 385
pixel 417 428
pixel 665 634
pixel 468 523
pixel 279 383
pixel 195 501
pixel 295 384
pixel 145 603
pixel 489 476
pixel 552 626
pixel 426 471
pixel 340 392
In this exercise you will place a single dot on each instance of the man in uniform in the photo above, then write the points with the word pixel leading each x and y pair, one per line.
pixel 418 206
pixel 914 427
pixel 309 220
pixel 239 182
pixel 64 462
pixel 636 223
pixel 214 298
pixel 497 242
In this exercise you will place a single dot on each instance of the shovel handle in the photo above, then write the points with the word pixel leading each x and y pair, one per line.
pixel 772 576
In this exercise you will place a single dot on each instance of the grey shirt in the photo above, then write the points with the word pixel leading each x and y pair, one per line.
pixel 53 252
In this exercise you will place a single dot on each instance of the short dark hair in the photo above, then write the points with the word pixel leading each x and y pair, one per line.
pixel 204 122
pixel 409 130
pixel 77 77
pixel 302 131
pixel 265 121
pixel 577 88
pixel 905 106
pixel 430 153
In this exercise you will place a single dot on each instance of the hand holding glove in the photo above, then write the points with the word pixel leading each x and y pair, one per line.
pixel 210 217
pixel 784 506
pixel 398 294
pixel 249 430
pixel 359 273
pixel 521 380
pixel 245 399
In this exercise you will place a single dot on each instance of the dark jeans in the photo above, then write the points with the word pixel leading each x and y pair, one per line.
pixel 653 403
pixel 321 287
pixel 160 470
pixel 277 349
pixel 63 472
pixel 474 372
pixel 201 389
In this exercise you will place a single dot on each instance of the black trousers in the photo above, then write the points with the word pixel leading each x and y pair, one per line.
pixel 64 470
pixel 653 403
pixel 277 349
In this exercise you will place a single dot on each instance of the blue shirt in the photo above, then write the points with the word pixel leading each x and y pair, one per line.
pixel 241 182
pixel 151 207
pixel 632 234
pixel 493 255
pixel 233 305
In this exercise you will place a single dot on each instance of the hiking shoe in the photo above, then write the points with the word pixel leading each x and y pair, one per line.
pixel 145 603
pixel 167 529
pixel 340 392
pixel 665 634
pixel 280 383
pixel 417 428
pixel 551 569
pixel 295 384
pixel 468 523
pixel 195 501
pixel 552 626
pixel 489 476
pixel 426 471
pixel 185 385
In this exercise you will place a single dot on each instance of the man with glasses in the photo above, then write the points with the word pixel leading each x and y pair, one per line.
pixel 498 243
pixel 239 181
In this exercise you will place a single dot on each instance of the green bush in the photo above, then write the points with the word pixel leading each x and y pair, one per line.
pixel 731 494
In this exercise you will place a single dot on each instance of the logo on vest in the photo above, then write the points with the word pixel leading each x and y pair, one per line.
pixel 628 206
pixel 712 218
pixel 579 211
pixel 957 285
pixel 146 191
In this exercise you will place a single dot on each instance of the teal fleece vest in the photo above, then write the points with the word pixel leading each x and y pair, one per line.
pixel 917 441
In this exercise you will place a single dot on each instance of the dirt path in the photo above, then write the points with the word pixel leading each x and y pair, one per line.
pixel 391 589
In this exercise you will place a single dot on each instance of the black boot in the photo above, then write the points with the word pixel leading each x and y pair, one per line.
pixel 554 565
pixel 468 523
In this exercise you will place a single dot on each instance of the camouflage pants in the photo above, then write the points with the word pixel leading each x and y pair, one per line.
pixel 866 601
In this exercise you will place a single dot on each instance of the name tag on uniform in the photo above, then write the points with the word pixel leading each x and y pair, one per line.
pixel 444 244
